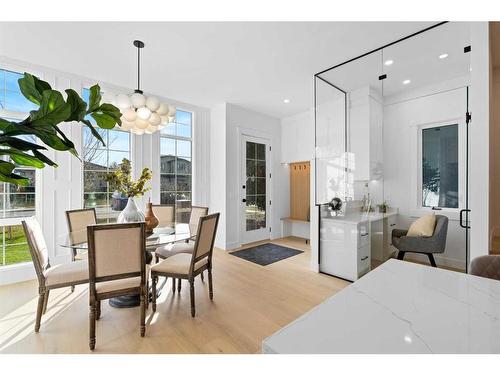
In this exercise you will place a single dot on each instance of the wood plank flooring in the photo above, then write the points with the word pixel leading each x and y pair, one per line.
pixel 250 303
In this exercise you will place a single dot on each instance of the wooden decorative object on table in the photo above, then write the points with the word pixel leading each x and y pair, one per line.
pixel 150 218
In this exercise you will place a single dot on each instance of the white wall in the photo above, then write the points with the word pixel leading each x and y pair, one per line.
pixel 402 121
pixel 60 189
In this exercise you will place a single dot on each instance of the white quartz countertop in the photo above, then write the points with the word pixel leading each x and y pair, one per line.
pixel 355 218
pixel 400 307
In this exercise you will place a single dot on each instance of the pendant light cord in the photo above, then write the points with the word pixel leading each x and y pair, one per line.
pixel 138 68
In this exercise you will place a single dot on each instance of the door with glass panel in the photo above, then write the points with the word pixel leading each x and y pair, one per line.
pixel 255 197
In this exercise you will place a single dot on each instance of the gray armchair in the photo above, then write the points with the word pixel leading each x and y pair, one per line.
pixel 486 266
pixel 423 245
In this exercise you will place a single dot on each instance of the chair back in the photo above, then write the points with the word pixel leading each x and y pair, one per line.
pixel 78 221
pixel 486 266
pixel 205 238
pixel 440 233
pixel 196 214
pixel 165 214
pixel 116 251
pixel 37 246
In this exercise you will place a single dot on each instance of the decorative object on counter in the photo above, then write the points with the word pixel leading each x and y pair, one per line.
pixel 150 218
pixel 121 181
pixel 143 114
pixel 334 206
pixel 42 124
pixel 383 207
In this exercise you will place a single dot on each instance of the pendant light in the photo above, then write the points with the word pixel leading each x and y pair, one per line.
pixel 143 114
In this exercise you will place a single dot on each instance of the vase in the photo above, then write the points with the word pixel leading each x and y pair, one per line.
pixel 131 213
pixel 151 220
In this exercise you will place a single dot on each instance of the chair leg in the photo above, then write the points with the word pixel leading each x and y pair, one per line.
pixel 39 310
pixel 143 313
pixel 401 255
pixel 431 259
pixel 173 284
pixel 156 259
pixel 92 317
pixel 202 277
pixel 154 281
pixel 191 292
pixel 72 288
pixel 210 285
pixel 179 285
pixel 45 302
pixel 98 310
pixel 147 294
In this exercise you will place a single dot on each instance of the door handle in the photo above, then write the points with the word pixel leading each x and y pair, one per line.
pixel 364 258
pixel 461 219
pixel 436 208
pixel 243 200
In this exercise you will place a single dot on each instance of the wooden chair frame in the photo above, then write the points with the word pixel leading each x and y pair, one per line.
pixel 70 228
pixel 43 289
pixel 96 298
pixel 192 272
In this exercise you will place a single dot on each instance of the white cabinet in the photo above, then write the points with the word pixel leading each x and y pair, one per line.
pixel 345 248
pixel 365 134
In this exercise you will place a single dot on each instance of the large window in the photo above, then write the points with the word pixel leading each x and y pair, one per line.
pixel 16 202
pixel 175 164
pixel 440 169
pixel 98 161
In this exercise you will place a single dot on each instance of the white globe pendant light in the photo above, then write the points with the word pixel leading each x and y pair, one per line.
pixel 143 114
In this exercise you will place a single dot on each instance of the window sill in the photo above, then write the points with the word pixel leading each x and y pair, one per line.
pixel 16 266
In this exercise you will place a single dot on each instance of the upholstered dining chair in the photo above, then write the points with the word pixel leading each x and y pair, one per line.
pixel 188 266
pixel 165 214
pixel 194 218
pixel 50 277
pixel 486 266
pixel 78 221
pixel 117 267
pixel 423 245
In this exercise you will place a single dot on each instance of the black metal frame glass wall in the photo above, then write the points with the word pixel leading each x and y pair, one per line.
pixel 376 75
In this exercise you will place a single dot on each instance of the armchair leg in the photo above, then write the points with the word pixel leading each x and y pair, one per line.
pixel 202 277
pixel 191 292
pixel 431 259
pixel 173 285
pixel 401 255
pixel 154 281
pixel 210 285
pixel 92 317
pixel 45 301
pixel 39 310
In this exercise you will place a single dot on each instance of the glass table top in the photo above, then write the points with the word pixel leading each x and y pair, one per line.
pixel 160 236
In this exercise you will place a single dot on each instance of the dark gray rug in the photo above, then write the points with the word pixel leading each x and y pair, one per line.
pixel 266 254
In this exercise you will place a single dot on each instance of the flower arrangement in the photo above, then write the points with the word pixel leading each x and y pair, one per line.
pixel 121 180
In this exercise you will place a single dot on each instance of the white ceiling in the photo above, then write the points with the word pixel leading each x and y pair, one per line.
pixel 253 64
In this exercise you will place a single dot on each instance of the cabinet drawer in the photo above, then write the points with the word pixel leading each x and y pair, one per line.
pixel 364 260
pixel 363 234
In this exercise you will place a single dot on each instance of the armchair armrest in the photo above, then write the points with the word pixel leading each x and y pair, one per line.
pixel 399 233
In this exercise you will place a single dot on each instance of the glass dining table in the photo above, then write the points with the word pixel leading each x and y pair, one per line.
pixel 76 242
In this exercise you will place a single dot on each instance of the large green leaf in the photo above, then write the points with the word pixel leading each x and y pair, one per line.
pixel 6 168
pixel 32 88
pixel 77 104
pixel 94 98
pixel 19 144
pixel 21 158
pixel 44 158
pixel 14 179
pixel 53 109
pixel 94 132
pixel 104 120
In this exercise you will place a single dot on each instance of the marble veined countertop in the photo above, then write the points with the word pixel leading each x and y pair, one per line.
pixel 359 217
pixel 400 307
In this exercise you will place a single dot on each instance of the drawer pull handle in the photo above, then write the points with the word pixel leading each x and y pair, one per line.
pixel 366 234
pixel 364 258
pixel 392 225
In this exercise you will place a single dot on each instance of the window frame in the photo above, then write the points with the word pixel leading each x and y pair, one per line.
pixel 17 221
pixel 461 167
pixel 176 138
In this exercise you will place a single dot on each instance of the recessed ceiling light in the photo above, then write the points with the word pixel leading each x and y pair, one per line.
pixel 443 56
pixel 406 81
pixel 286 101
pixel 388 62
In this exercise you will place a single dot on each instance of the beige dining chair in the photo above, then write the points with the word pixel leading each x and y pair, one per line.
pixel 188 266
pixel 165 214
pixel 78 221
pixel 117 267
pixel 50 277
pixel 196 213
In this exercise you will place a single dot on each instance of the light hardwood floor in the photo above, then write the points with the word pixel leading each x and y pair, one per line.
pixel 250 303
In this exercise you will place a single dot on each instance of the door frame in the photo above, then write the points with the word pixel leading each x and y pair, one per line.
pixel 246 237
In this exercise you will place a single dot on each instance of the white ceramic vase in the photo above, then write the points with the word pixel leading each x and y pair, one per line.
pixel 131 213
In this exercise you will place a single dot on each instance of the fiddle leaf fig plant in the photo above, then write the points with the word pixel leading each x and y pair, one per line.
pixel 121 180
pixel 43 123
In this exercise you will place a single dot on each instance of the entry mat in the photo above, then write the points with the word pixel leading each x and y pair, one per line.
pixel 266 254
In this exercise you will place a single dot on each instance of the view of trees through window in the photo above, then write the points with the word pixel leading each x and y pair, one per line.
pixel 98 161
pixel 16 202
pixel 175 164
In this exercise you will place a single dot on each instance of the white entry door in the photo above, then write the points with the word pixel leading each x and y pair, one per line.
pixel 255 189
